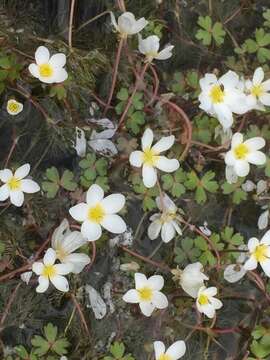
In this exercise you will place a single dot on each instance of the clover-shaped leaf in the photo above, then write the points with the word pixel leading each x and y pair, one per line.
pixel 52 186
pixel 209 32
pixel 206 183
pixel 174 183
pixel 238 194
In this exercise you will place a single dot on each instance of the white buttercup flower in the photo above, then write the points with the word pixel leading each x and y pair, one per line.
pixel 206 302
pixel 222 97
pixel 65 242
pixel 14 107
pixel 243 153
pixel 48 271
pixel 166 222
pixel 48 69
pixel 127 24
pixel 150 157
pixel 192 278
pixel 174 352
pixel 99 212
pixel 259 252
pixel 147 293
pixel 258 90
pixel 15 185
pixel 150 48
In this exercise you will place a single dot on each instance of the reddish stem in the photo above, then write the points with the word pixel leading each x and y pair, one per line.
pixel 9 304
pixel 78 307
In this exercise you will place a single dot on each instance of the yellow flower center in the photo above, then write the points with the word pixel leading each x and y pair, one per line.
pixel 216 94
pixel 145 293
pixel 261 253
pixel 14 183
pixel 150 157
pixel 165 357
pixel 96 213
pixel 45 70
pixel 49 271
pixel 241 151
pixel 257 90
pixel 167 217
pixel 203 299
pixel 13 106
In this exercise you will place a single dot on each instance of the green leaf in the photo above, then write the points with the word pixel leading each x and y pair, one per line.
pixel 50 188
pixel 122 94
pixel 52 174
pixel 22 352
pixel 117 350
pixel 135 121
pixel 42 346
pixel 218 33
pixel 201 243
pixel 101 167
pixel 60 346
pixel 67 181
pixel 50 332
pixel 205 22
pixel 5 62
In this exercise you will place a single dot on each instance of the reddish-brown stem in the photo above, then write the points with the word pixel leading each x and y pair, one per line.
pixel 8 306
pixel 129 102
pixel 71 16
pixel 145 259
pixel 14 143
pixel 156 85
pixel 115 71
pixel 121 5
pixel 78 307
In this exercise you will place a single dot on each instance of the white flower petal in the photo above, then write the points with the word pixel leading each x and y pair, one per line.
pixel 237 139
pixel 60 282
pixel 176 350
pixel 154 229
pixel 159 349
pixel 229 80
pixel 160 300
pixel 63 269
pixel 165 54
pixel 140 24
pixel 216 303
pixel 265 99
pixel 49 257
pixel 59 234
pixel 78 261
pixel 266 267
pixel 258 76
pixel 136 158
pixel 241 168
pixel 168 204
pixel 113 20
pixel 29 186
pixel 38 267
pixel 140 280
pixel 113 203
pixel 94 194
pixel 177 227
pixel 60 76
pixel 255 143
pixel 42 55
pixel 167 165
pixel 164 144
pixel 5 175
pixel 156 282
pixel 252 244
pixel 149 176
pixel 79 212
pixel 146 308
pixel 229 158
pixel 71 242
pixel 58 60
pixel 43 284
pixel 209 311
pixel 167 232
pixel 132 296
pixel 148 45
pixel 211 291
pixel 147 139
pixel 22 171
pixel 256 158
pixel 250 264
pixel 234 272
pixel 4 192
pixel 16 198
pixel 114 223
pixel 33 69
pixel 90 230
pixel 224 115
pixel 266 238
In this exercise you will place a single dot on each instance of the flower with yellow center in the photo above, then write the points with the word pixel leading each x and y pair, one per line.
pixel 48 272
pixel 99 212
pixel 14 107
pixel 65 243
pixel 127 25
pixel 206 302
pixel 258 91
pixel 48 69
pixel 150 48
pixel 150 159
pixel 174 352
pixel 147 293
pixel 166 221
pixel 15 185
pixel 192 278
pixel 259 252
pixel 222 97
pixel 243 153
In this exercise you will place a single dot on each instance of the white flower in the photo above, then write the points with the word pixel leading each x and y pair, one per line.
pixel 80 143
pixel 174 352
pixel 259 252
pixel 15 185
pixel 222 97
pixel 150 48
pixel 243 153
pixel 206 302
pixel 150 157
pixel 166 222
pixel 192 279
pixel 234 273
pixel 65 242
pixel 49 271
pixel 248 186
pixel 258 90
pixel 147 293
pixel 230 175
pixel 263 220
pixel 48 69
pixel 132 266
pixel 99 211
pixel 26 276
pixel 14 107
pixel 127 24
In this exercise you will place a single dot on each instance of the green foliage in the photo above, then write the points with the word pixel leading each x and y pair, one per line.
pixel 94 171
pixel 9 69
pixel 237 193
pixel 135 115
pixel 59 91
pixel 266 16
pixel 54 183
pixel 186 84
pixel 117 350
pixel 207 256
pixel 173 183
pixel 203 185
pixel 187 251
pixel 260 346
pixel 154 28
pixel 257 46
pixel 147 195
pixel 204 128
pixel 232 241
pixel 209 32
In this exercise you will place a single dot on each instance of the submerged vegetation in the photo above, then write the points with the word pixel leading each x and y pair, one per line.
pixel 135 192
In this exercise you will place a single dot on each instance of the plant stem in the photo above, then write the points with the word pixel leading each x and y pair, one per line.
pixel 71 16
